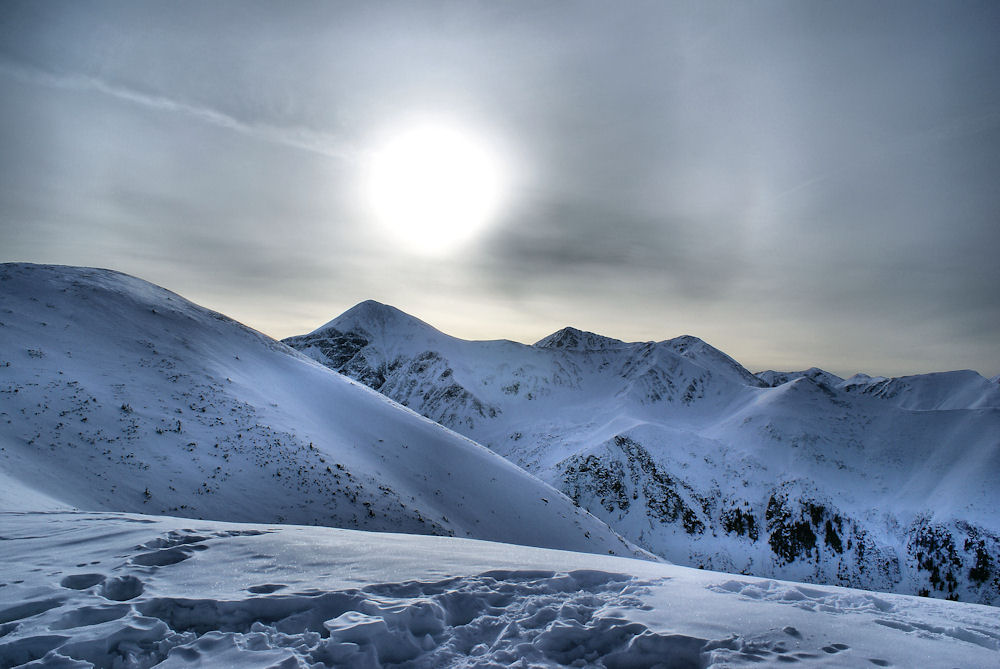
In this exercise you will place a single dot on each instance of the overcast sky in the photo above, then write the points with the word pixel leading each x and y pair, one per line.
pixel 798 183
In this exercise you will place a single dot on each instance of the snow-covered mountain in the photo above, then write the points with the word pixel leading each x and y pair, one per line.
pixel 887 484
pixel 117 395
pixel 128 590
pixel 821 376
pixel 962 389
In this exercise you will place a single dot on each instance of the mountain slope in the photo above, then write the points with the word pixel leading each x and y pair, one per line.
pixel 797 475
pixel 119 395
pixel 940 391
pixel 774 379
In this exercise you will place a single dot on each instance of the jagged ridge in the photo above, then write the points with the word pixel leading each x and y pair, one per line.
pixel 800 475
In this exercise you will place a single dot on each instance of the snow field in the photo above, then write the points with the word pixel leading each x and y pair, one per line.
pixel 122 590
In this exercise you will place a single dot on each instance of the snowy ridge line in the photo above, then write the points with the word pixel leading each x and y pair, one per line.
pixel 887 484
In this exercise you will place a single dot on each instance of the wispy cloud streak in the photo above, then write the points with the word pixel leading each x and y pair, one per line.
pixel 324 144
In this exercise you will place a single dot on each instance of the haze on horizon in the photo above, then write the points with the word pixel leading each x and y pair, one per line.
pixel 797 183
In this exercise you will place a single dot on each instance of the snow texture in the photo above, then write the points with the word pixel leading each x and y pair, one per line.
pixel 124 590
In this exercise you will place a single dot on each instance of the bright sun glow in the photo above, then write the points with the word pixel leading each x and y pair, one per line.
pixel 434 187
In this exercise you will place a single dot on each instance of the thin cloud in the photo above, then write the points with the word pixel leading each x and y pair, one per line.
pixel 964 126
pixel 304 139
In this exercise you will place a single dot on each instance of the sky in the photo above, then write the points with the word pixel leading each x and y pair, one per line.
pixel 798 183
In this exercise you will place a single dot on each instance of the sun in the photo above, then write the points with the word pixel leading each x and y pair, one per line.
pixel 433 186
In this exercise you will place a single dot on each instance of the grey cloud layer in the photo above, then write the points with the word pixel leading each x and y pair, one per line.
pixel 814 173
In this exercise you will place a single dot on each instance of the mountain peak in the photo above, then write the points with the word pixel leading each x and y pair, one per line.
pixel 371 316
pixel 699 350
pixel 571 339
pixel 374 310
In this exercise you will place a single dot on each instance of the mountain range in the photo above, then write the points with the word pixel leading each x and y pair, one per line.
pixel 879 483
pixel 179 490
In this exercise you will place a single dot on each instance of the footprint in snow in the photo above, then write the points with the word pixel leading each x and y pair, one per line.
pixel 968 634
pixel 29 609
pixel 87 616
pixel 81 581
pixel 835 648
pixel 177 546
pixel 803 597
pixel 165 557
pixel 266 588
pixel 122 588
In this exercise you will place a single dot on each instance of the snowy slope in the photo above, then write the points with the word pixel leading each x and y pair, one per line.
pixel 821 376
pixel 118 395
pixel 119 590
pixel 799 475
pixel 961 389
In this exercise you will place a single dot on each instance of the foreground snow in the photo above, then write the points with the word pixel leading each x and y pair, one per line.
pixel 136 591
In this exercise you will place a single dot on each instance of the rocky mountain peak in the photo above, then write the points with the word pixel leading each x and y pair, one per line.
pixel 571 339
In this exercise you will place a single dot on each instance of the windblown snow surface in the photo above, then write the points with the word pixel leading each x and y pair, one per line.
pixel 886 484
pixel 126 590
